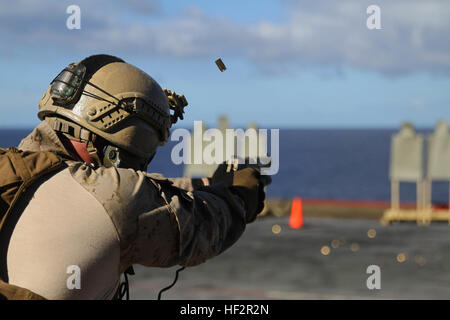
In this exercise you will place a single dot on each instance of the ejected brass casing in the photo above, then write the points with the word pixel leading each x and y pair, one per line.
pixel 221 65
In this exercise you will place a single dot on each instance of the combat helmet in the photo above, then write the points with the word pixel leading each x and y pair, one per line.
pixel 103 96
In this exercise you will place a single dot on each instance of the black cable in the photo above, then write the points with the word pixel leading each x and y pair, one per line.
pixel 123 290
pixel 174 281
pixel 127 286
pixel 100 89
pixel 92 95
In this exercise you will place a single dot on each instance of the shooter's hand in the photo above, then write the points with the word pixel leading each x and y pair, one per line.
pixel 247 185
pixel 226 170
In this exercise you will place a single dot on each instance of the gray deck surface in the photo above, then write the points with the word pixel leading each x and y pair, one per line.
pixel 290 265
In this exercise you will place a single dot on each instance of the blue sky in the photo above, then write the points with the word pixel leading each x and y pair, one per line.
pixel 290 63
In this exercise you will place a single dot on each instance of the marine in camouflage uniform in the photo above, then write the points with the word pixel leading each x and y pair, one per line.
pixel 104 215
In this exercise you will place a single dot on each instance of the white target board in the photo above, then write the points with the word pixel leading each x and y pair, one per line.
pixel 438 164
pixel 406 156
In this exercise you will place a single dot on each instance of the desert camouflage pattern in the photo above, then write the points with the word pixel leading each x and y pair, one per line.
pixel 104 220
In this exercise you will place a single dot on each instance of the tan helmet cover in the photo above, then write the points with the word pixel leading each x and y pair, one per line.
pixel 138 124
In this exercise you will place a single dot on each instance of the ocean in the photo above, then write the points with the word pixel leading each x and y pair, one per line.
pixel 347 164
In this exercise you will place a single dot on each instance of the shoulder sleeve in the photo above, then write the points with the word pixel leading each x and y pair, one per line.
pixel 128 196
pixel 160 224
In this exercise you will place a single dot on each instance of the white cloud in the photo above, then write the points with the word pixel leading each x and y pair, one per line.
pixel 414 35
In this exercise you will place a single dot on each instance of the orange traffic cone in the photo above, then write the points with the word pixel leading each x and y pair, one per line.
pixel 296 219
